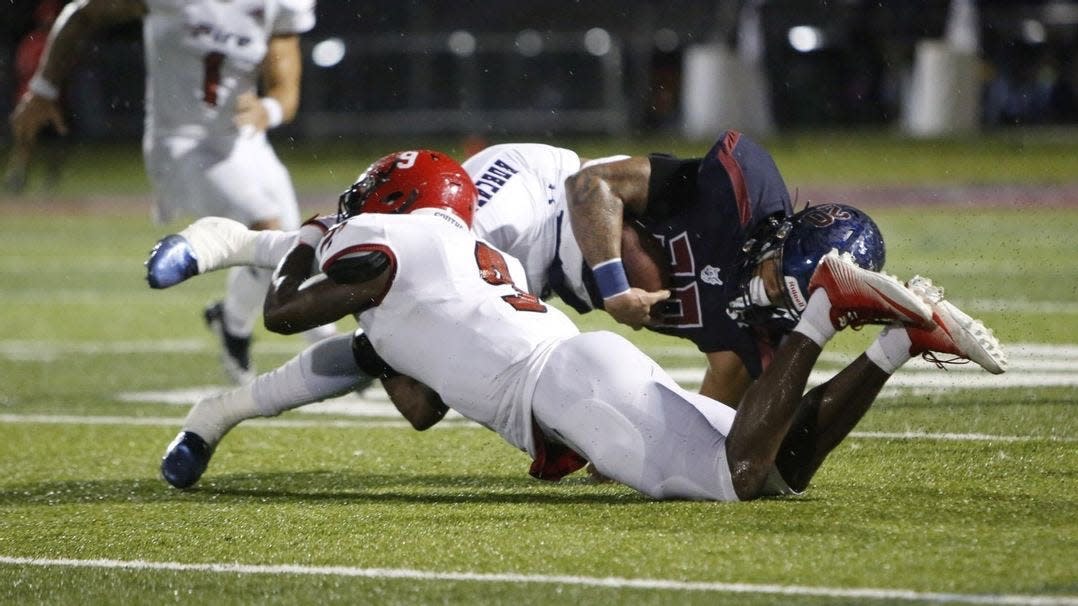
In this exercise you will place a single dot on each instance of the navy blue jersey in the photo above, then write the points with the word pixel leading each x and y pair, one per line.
pixel 701 210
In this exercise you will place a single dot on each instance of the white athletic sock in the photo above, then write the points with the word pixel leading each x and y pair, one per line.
pixel 320 333
pixel 270 246
pixel 211 418
pixel 815 321
pixel 246 291
pixel 219 243
pixel 324 370
pixel 890 350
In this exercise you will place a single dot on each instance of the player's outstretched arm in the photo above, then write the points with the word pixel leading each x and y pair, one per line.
pixel 281 71
pixel 76 23
pixel 295 304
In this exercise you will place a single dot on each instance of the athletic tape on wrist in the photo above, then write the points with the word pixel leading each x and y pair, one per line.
pixel 610 278
pixel 274 111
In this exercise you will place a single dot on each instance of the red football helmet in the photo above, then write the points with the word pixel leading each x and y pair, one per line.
pixel 406 181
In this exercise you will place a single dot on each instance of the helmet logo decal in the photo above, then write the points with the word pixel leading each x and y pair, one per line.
pixel 826 214
pixel 710 275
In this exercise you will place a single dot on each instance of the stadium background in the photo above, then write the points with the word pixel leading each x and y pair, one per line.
pixel 561 66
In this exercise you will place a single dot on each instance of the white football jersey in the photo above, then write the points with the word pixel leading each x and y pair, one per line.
pixel 455 316
pixel 201 54
pixel 522 206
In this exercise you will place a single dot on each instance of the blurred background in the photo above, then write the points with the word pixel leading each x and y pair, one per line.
pixel 684 68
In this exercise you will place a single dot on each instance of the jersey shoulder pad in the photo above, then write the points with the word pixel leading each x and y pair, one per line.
pixel 356 267
pixel 355 250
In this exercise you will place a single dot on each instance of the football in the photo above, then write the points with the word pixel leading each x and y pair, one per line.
pixel 646 263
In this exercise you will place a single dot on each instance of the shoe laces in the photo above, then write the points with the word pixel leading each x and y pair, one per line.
pixel 938 362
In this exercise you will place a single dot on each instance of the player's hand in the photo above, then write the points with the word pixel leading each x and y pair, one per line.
pixel 32 114
pixel 250 114
pixel 634 307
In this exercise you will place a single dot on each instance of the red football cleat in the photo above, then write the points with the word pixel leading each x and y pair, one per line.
pixel 859 296
pixel 954 333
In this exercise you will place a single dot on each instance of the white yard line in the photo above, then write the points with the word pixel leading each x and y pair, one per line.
pixel 44 419
pixel 851 593
pixel 24 348
pixel 454 422
pixel 1032 365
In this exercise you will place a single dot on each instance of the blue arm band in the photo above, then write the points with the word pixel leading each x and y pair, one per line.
pixel 610 278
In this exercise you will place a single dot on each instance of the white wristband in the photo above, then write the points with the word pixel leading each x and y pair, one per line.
pixel 43 88
pixel 274 112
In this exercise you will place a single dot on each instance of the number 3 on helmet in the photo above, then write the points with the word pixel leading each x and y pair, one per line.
pixel 407 181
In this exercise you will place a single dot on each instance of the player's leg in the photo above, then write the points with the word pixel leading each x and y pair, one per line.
pixel 829 412
pixel 16 173
pixel 233 319
pixel 251 186
pixel 324 370
pixel 605 399
pixel 825 416
pixel 277 185
pixel 213 243
pixel 842 295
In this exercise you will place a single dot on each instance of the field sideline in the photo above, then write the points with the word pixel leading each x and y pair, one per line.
pixel 958 486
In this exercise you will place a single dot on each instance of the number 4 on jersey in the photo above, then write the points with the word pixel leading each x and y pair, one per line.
pixel 494 270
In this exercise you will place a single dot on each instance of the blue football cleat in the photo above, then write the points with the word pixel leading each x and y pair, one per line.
pixel 186 459
pixel 171 261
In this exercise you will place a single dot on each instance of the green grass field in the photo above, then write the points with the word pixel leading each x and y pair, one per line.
pixel 957 487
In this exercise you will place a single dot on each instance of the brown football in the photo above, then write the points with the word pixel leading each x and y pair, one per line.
pixel 646 263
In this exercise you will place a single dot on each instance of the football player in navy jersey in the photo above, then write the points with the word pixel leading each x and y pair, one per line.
pixel 740 261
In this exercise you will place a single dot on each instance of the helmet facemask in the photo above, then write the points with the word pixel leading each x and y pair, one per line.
pixel 353 200
pixel 764 243
pixel 797 244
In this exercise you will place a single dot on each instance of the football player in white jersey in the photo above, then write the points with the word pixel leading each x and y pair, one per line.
pixel 204 144
pixel 445 317
pixel 522 210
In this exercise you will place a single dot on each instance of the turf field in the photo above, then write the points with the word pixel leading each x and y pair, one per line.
pixel 958 486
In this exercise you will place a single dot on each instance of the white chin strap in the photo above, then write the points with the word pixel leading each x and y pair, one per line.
pixel 758 292
pixel 797 298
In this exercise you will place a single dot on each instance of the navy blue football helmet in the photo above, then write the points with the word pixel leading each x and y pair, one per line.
pixel 798 243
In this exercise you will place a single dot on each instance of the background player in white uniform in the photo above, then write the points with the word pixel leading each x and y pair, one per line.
pixel 204 144
pixel 441 306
